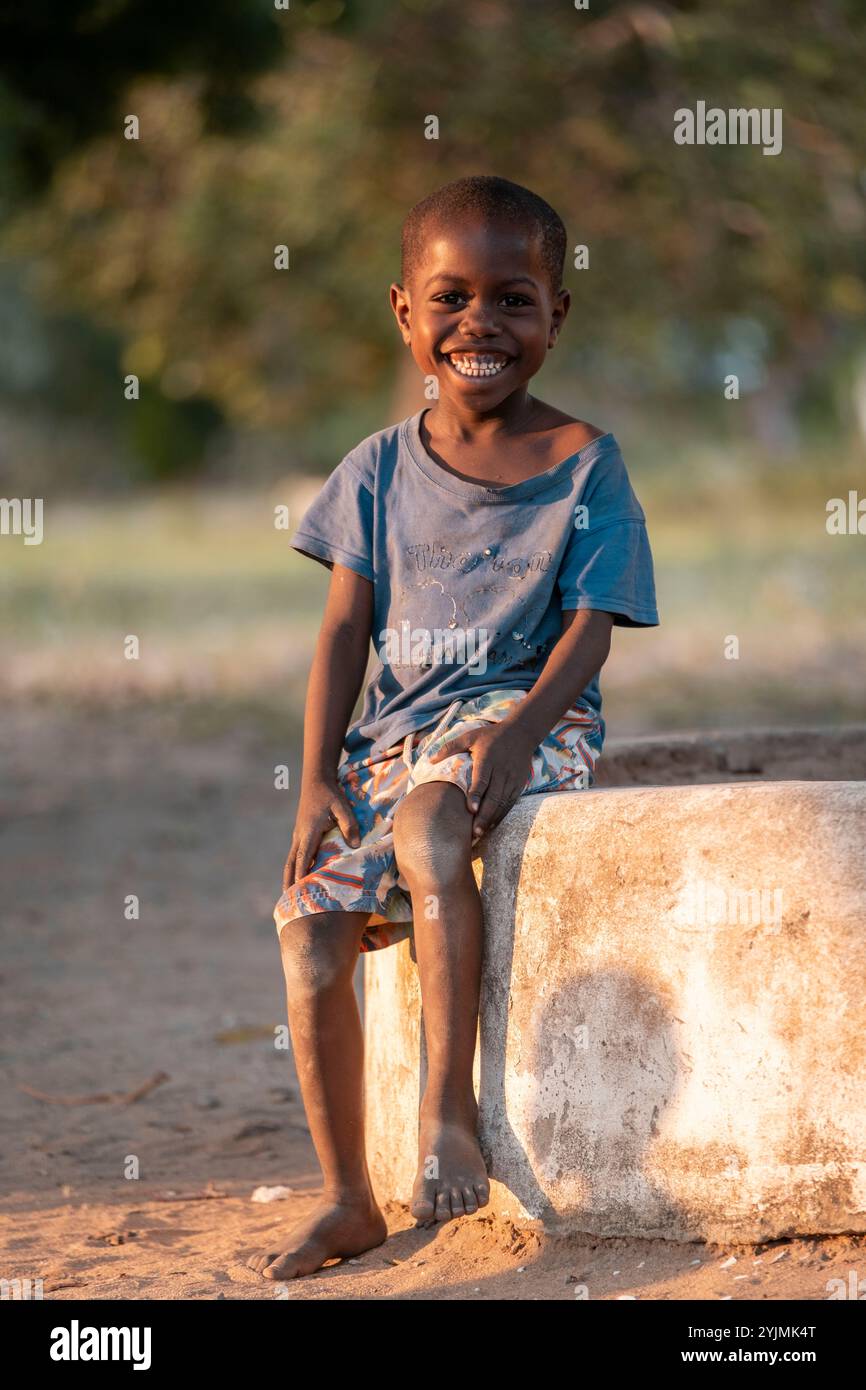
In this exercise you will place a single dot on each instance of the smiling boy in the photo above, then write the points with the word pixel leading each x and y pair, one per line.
pixel 514 527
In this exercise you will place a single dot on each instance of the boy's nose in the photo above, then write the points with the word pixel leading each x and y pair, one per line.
pixel 479 323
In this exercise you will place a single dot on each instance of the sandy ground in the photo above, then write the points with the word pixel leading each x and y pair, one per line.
pixel 99 806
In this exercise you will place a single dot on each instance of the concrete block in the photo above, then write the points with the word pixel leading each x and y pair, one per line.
pixel 672 1037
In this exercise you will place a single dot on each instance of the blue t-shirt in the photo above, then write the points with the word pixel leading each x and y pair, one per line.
pixel 470 582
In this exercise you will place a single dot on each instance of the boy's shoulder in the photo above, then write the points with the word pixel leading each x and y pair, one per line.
pixel 567 433
pixel 577 434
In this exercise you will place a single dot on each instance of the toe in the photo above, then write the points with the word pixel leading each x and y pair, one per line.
pixel 284 1266
pixel 470 1201
pixel 482 1191
pixel 443 1205
pixel 423 1210
pixel 457 1208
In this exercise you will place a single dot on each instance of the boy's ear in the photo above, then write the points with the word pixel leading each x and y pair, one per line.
pixel 400 305
pixel 561 306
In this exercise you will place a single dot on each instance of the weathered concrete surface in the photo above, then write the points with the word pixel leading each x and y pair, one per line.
pixel 662 1052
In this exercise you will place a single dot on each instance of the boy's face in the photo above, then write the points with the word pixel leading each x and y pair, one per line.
pixel 478 311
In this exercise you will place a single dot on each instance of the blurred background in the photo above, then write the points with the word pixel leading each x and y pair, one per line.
pixel 305 126
pixel 143 827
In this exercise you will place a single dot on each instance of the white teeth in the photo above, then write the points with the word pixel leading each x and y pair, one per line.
pixel 478 364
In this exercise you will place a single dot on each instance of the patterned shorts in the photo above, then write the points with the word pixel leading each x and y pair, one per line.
pixel 367 879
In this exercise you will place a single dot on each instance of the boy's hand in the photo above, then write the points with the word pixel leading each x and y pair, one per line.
pixel 322 806
pixel 501 763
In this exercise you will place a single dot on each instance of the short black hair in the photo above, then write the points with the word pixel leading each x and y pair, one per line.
pixel 493 199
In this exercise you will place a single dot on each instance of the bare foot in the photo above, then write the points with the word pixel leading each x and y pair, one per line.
pixel 449 1149
pixel 331 1230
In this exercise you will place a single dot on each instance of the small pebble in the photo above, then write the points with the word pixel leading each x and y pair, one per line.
pixel 726 1264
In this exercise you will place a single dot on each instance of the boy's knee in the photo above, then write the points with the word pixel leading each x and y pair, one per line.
pixel 315 957
pixel 432 829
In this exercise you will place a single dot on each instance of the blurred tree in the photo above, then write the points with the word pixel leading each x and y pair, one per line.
pixel 64 70
pixel 695 251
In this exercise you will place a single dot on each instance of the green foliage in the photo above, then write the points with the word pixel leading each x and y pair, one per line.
pixel 171 436
pixel 64 69
pixel 168 242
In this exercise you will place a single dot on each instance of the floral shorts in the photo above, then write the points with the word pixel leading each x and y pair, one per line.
pixel 367 878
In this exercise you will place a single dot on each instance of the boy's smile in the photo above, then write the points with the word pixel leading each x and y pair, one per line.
pixel 479 312
pixel 477 364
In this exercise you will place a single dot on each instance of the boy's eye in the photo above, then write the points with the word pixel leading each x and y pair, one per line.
pixel 508 301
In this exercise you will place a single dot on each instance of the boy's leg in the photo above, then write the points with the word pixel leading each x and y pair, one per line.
pixel 319 955
pixel 432 839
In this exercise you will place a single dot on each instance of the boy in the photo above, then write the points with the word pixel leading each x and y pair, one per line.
pixel 487 545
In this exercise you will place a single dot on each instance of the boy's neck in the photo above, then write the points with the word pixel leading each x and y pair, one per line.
pixel 517 414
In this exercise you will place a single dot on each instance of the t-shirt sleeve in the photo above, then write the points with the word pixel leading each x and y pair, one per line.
pixel 608 563
pixel 337 528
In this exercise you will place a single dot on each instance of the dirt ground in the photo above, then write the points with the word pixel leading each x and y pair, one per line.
pixel 138 801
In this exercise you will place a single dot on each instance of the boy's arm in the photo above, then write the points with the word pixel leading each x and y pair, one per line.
pixel 502 753
pixel 339 664
pixel 336 675
pixel 580 653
